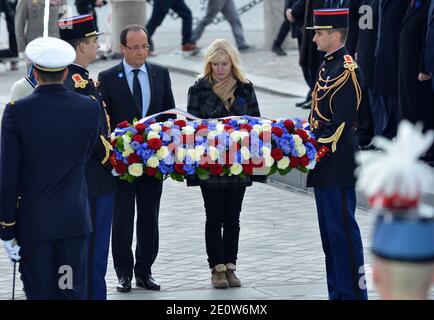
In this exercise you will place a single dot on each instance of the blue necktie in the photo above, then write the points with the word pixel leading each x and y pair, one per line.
pixel 137 89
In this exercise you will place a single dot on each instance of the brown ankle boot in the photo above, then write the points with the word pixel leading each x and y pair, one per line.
pixel 231 277
pixel 218 277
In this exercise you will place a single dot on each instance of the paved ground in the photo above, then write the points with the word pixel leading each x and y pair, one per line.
pixel 280 255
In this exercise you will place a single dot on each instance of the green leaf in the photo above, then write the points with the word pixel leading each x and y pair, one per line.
pixel 127 177
pixel 159 175
pixel 120 144
pixel 177 177
pixel 135 120
pixel 273 170
pixel 204 176
pixel 303 169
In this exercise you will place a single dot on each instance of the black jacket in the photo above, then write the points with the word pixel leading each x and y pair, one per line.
pixel 333 122
pixel 99 179
pixel 205 104
pixel 119 100
pixel 429 47
pixel 47 138
pixel 415 98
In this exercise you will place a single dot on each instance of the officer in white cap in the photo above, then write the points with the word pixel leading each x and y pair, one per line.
pixel 46 139
pixel 394 179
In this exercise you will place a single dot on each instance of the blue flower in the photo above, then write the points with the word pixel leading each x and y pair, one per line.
pixel 135 145
pixel 169 160
pixel 189 168
pixel 164 169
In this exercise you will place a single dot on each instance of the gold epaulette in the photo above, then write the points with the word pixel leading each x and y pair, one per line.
pixel 108 147
pixel 5 224
pixel 79 82
pixel 349 63
pixel 334 138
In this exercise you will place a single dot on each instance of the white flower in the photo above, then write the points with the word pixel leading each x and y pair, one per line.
pixel 268 161
pixel 311 165
pixel 297 139
pixel 200 150
pixel 235 136
pixel 153 135
pixel 135 169
pixel 236 169
pixel 257 128
pixel 301 150
pixel 152 162
pixel 243 134
pixel 266 151
pixel 162 153
pixel 220 128
pixel 283 163
pixel 155 127
pixel 188 130
pixel 212 134
pixel 126 139
pixel 266 127
pixel 180 154
pixel 191 153
pixel 168 124
pixel 245 153
pixel 115 173
pixel 213 153
pixel 242 121
pixel 128 150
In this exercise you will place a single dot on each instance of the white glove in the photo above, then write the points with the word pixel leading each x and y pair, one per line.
pixel 13 249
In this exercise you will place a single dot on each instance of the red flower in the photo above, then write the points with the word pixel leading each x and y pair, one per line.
pixel 113 159
pixel 123 124
pixel 267 136
pixel 178 168
pixel 226 121
pixel 277 131
pixel 180 123
pixel 120 167
pixel 246 126
pixel 216 169
pixel 294 161
pixel 151 171
pixel 155 144
pixel 133 158
pixel 289 125
pixel 203 128
pixel 164 128
pixel 248 168
pixel 140 127
pixel 139 138
pixel 229 128
pixel 304 160
pixel 257 163
pixel 277 154
pixel 313 141
pixel 303 134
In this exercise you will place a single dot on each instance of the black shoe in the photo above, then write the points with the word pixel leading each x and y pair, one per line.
pixel 124 284
pixel 245 48
pixel 307 105
pixel 279 51
pixel 147 283
pixel 301 103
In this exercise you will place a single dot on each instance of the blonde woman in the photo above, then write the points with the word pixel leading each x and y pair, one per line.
pixel 221 91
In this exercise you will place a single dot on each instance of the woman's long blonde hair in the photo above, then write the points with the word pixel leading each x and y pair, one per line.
pixel 223 46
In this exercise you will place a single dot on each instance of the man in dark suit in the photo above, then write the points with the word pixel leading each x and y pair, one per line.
pixel 47 138
pixel 134 89
pixel 415 95
pixel 80 32
pixel 335 101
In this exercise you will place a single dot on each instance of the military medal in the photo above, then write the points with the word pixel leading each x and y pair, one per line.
pixel 79 81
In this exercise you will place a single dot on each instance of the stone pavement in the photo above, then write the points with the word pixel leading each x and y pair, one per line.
pixel 280 254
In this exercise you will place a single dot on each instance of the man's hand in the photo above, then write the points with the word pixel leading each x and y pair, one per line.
pixel 289 16
pixel 99 3
pixel 423 77
pixel 13 249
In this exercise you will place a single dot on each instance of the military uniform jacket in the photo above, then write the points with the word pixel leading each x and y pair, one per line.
pixel 98 176
pixel 333 118
pixel 29 20
pixel 46 139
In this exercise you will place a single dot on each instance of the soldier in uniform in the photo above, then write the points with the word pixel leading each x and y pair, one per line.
pixel 46 140
pixel 335 101
pixel 80 32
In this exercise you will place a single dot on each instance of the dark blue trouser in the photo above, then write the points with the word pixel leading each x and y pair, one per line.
pixel 341 242
pixel 99 243
pixel 55 269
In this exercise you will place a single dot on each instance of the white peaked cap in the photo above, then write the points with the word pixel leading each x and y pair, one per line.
pixel 50 54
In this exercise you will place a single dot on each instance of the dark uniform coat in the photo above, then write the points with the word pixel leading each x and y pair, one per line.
pixel 99 178
pixel 391 13
pixel 429 47
pixel 205 104
pixel 416 99
pixel 333 120
pixel 46 139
